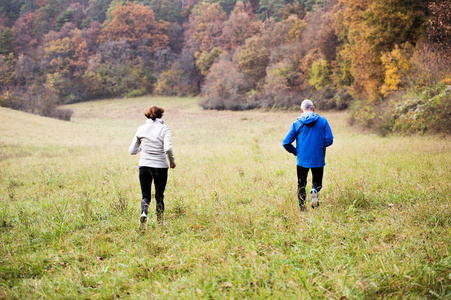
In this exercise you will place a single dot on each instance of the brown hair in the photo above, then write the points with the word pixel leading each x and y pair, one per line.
pixel 154 112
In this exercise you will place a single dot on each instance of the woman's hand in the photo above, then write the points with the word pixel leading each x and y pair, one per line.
pixel 172 166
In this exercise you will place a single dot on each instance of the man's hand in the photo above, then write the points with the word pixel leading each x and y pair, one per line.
pixel 172 166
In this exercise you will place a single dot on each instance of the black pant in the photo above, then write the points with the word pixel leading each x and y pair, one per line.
pixel 160 177
pixel 317 181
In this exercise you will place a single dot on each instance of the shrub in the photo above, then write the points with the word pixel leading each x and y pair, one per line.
pixel 63 114
pixel 364 114
pixel 47 101
pixel 225 88
pixel 429 111
pixel 136 92
pixel 15 99
pixel 181 79
pixel 426 111
pixel 330 97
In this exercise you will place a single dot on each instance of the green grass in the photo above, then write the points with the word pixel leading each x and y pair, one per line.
pixel 70 200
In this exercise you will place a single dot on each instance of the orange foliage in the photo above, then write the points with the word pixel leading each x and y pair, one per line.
pixel 68 56
pixel 206 25
pixel 42 3
pixel 240 26
pixel 136 23
pixel 369 27
pixel 79 59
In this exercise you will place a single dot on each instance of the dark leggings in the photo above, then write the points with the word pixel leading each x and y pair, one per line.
pixel 317 181
pixel 160 177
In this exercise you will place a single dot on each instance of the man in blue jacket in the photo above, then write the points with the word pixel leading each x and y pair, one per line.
pixel 312 134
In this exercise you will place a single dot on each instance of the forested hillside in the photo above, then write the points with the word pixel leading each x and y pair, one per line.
pixel 388 60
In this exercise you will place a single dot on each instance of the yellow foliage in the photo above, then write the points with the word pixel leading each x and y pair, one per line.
pixel 50 80
pixel 60 46
pixel 397 65
pixel 297 28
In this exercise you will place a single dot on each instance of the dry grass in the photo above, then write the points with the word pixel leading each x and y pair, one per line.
pixel 69 210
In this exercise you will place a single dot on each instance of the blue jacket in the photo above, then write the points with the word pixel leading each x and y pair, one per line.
pixel 312 134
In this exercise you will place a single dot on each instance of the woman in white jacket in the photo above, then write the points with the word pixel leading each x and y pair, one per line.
pixel 153 140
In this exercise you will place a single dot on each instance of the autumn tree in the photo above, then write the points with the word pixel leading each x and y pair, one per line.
pixel 292 9
pixel 204 60
pixel 182 78
pixel 96 12
pixel 11 10
pixel 241 25
pixel 327 38
pixel 26 69
pixel 176 39
pixel 397 64
pixel 6 40
pixel 205 26
pixel 310 5
pixel 91 35
pixel 168 10
pixel 280 84
pixel 115 71
pixel 74 13
pixel 78 60
pixel 46 17
pixel 274 34
pixel 67 59
pixel 225 87
pixel 319 74
pixel 7 70
pixel 136 24
pixel 253 58
pixel 369 27
pixel 270 8
pixel 25 41
pixel 439 26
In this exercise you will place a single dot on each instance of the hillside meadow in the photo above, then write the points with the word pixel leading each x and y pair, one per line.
pixel 70 205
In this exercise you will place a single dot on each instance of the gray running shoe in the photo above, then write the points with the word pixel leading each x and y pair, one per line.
pixel 143 218
pixel 314 196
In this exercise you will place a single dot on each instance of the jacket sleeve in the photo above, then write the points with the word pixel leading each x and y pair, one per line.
pixel 289 139
pixel 329 138
pixel 168 146
pixel 135 146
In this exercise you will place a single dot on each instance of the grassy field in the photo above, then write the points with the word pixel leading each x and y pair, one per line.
pixel 70 204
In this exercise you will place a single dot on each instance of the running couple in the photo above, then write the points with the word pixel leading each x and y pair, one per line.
pixel 153 139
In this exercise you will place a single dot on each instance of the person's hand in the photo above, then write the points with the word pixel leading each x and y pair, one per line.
pixel 172 166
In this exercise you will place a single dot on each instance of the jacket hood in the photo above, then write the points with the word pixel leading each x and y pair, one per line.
pixel 308 118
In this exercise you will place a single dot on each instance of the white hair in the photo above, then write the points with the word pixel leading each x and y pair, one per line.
pixel 307 105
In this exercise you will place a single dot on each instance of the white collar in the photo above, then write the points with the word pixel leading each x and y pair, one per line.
pixel 157 120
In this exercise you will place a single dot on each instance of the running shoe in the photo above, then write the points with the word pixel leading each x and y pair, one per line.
pixel 302 206
pixel 143 218
pixel 314 196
